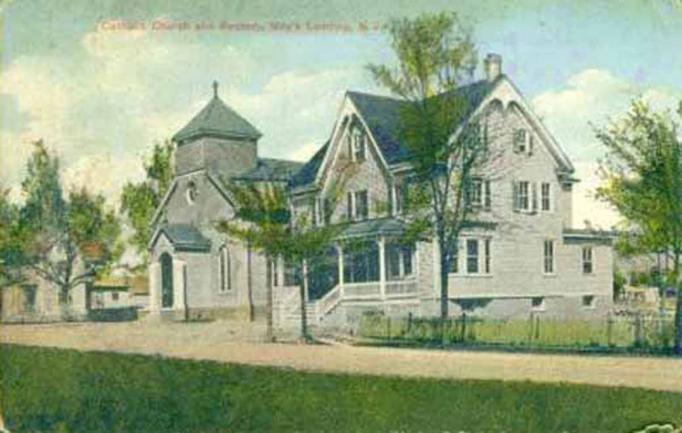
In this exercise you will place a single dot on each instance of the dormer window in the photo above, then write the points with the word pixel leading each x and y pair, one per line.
pixel 523 141
pixel 192 192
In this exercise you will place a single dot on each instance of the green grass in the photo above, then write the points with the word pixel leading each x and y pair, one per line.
pixel 46 390
pixel 620 334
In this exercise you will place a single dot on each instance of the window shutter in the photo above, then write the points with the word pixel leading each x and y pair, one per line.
pixel 349 144
pixel 349 202
pixel 515 196
pixel 486 192
pixel 534 186
pixel 390 190
pixel 531 144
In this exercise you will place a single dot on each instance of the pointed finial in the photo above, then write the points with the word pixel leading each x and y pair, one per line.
pixel 215 89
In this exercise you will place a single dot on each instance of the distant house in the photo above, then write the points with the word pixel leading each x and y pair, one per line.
pixel 520 255
pixel 112 292
pixel 37 300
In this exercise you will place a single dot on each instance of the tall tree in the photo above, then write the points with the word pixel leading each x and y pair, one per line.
pixel 73 239
pixel 642 179
pixel 263 221
pixel 140 200
pixel 13 239
pixel 435 53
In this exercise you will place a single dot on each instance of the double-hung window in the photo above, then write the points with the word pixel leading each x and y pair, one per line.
pixel 546 196
pixel 588 264
pixel 523 195
pixel 478 193
pixel 472 256
pixel 361 205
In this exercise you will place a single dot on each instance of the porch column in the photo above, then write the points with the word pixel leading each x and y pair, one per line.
pixel 382 267
pixel 339 252
pixel 154 288
pixel 180 295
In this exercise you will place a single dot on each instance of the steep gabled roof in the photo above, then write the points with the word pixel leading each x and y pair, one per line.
pixel 218 120
pixel 307 173
pixel 382 115
pixel 270 169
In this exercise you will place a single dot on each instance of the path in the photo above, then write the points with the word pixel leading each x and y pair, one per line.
pixel 222 341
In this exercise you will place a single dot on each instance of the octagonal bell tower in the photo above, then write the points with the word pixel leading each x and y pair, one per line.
pixel 217 139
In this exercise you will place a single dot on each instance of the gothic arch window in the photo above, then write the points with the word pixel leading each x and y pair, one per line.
pixel 225 266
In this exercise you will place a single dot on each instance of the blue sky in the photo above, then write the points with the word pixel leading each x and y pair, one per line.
pixel 101 98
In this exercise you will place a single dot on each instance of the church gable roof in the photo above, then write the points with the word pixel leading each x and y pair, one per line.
pixel 219 120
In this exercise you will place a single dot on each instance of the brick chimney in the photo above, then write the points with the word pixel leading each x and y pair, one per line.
pixel 493 66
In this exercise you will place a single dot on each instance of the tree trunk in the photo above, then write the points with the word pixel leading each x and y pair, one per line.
pixel 269 332
pixel 249 285
pixel 444 285
pixel 304 315
pixel 63 299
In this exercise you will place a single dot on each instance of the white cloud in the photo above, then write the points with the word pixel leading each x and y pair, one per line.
pixel 593 97
pixel 296 110
pixel 586 208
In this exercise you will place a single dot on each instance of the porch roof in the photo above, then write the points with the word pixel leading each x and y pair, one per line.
pixel 185 237
pixel 374 227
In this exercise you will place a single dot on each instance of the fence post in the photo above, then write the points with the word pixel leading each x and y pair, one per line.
pixel 530 329
pixel 609 330
pixel 537 327
pixel 638 329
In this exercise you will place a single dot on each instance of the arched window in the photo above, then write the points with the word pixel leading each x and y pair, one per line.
pixel 225 269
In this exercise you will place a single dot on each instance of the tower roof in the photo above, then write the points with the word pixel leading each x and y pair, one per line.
pixel 217 119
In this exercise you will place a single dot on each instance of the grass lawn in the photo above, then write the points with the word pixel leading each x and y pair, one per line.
pixel 46 390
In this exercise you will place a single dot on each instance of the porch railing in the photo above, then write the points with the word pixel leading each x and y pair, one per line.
pixel 361 290
pixel 401 287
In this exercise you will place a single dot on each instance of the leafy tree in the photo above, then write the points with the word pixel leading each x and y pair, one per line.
pixel 12 241
pixel 140 200
pixel 642 179
pixel 263 221
pixel 71 240
pixel 435 53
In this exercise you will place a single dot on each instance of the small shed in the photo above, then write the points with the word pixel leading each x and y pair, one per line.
pixel 109 293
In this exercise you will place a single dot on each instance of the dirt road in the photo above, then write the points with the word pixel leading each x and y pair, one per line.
pixel 225 342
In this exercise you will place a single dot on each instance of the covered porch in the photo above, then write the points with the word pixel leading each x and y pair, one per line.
pixel 369 261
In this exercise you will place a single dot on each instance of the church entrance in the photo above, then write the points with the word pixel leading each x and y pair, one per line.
pixel 166 280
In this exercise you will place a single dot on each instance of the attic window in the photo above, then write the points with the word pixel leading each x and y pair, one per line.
pixel 358 145
pixel 192 192
pixel 523 141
